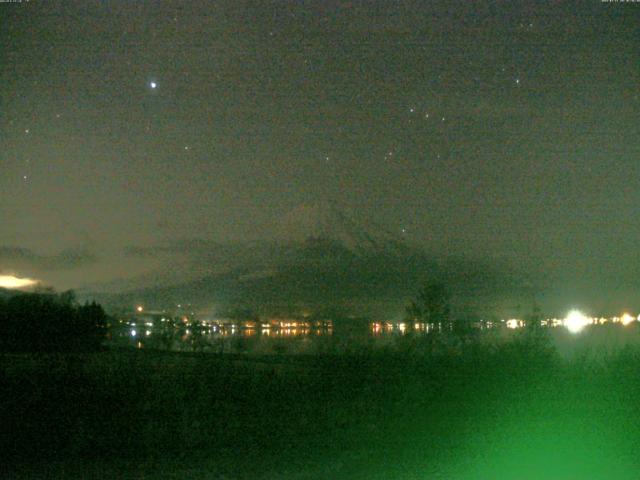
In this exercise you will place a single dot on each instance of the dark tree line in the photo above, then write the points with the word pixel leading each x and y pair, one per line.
pixel 49 322
pixel 432 305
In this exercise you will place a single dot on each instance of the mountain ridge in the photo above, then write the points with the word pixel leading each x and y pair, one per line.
pixel 336 262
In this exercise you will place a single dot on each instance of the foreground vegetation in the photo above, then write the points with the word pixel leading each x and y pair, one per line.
pixel 509 410
pixel 50 322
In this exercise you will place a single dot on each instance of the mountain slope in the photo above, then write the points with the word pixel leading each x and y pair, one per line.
pixel 330 261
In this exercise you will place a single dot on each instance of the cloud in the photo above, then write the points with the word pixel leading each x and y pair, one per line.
pixel 189 247
pixel 143 252
pixel 193 257
pixel 67 259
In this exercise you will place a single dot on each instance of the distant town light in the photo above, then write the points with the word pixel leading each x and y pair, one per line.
pixel 513 323
pixel 139 308
pixel 575 321
pixel 626 319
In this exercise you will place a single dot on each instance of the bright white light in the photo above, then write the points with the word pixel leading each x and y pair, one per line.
pixel 133 333
pixel 626 319
pixel 513 323
pixel 139 308
pixel 153 84
pixel 9 281
pixel 575 321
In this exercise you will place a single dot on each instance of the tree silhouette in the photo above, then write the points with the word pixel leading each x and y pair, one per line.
pixel 49 322
pixel 432 305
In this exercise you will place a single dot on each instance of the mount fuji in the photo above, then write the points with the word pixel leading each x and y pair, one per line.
pixel 318 259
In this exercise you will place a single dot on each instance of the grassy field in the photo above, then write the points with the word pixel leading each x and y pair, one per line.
pixel 515 409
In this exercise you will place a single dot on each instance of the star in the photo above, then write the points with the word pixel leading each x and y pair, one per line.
pixel 153 85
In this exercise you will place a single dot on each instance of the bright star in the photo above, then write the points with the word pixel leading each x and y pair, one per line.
pixel 153 85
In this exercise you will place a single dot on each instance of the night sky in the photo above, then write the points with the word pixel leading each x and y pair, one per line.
pixel 492 131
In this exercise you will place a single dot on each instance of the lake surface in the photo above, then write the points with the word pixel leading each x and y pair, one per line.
pixel 299 337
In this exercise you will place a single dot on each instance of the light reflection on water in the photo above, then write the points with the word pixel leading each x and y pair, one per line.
pixel 252 330
pixel 255 337
pixel 217 337
pixel 307 337
pixel 282 336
